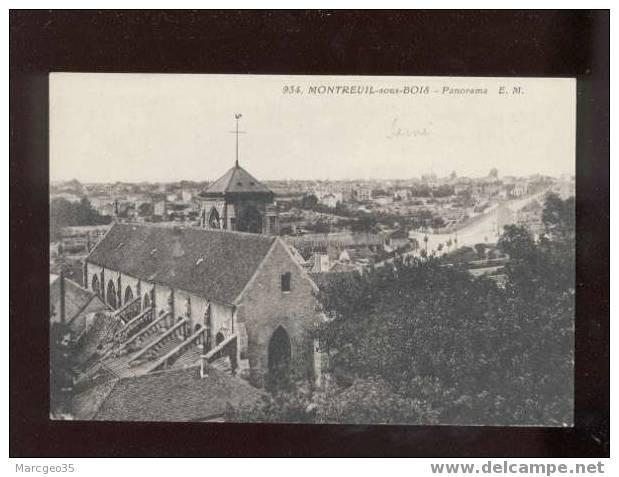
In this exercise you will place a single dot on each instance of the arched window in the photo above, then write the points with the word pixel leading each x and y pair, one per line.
pixel 219 338
pixel 146 302
pixel 128 295
pixel 95 285
pixel 111 294
pixel 213 219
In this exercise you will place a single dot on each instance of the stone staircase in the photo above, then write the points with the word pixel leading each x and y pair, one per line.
pixel 119 366
pixel 222 364
pixel 189 358
pixel 147 334
pixel 128 311
pixel 136 324
pixel 165 348
pixel 187 351
pixel 222 357
pixel 156 347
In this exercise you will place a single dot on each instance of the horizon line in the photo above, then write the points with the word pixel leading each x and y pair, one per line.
pixel 358 179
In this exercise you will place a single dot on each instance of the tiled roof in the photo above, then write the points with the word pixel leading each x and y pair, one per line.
pixel 237 180
pixel 76 298
pixel 215 264
pixel 172 395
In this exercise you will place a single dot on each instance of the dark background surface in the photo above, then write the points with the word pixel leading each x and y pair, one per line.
pixel 440 43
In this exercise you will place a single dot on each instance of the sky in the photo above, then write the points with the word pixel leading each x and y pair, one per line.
pixel 168 127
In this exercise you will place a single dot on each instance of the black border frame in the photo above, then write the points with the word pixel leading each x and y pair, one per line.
pixel 438 43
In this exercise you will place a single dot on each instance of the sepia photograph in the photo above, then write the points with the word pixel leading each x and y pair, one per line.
pixel 312 249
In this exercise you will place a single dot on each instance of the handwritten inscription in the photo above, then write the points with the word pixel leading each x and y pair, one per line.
pixel 400 131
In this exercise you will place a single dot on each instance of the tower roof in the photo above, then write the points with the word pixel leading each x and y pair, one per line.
pixel 236 181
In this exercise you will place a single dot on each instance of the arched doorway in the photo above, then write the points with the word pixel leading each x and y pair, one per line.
pixel 128 295
pixel 95 285
pixel 146 302
pixel 111 294
pixel 279 350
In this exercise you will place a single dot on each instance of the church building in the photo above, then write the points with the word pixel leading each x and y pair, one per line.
pixel 184 293
pixel 192 296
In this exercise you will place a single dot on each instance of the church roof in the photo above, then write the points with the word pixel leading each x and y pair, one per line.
pixel 211 263
pixel 236 181
pixel 171 395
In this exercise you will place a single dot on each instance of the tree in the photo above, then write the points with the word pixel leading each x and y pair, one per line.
pixel 309 201
pixel 517 242
pixel 437 222
pixel 321 227
pixel 64 213
pixel 558 217
pixel 364 224
pixel 494 355
pixel 145 209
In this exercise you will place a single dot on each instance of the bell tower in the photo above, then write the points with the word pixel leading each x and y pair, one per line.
pixel 238 201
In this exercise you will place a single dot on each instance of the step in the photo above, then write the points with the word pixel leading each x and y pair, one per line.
pixel 165 348
pixel 150 338
pixel 118 366
pixel 137 328
pixel 191 357
pixel 222 364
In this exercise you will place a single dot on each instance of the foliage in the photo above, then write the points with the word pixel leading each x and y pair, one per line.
pixel 364 224
pixel 309 201
pixel 370 400
pixel 558 217
pixel 444 190
pixel 64 213
pixel 499 358
pixel 319 227
pixel 423 343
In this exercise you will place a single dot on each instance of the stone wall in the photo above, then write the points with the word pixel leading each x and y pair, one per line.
pixel 264 307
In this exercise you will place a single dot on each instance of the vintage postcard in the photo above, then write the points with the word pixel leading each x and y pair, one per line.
pixel 314 249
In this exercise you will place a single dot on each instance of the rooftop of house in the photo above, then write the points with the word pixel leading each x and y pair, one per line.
pixel 175 395
pixel 211 263
pixel 76 299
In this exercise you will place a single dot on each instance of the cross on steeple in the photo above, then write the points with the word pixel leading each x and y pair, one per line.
pixel 237 116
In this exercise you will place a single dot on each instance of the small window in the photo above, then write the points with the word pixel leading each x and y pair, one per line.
pixel 286 282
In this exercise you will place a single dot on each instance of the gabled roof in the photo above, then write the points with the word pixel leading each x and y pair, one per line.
pixel 76 299
pixel 214 264
pixel 236 181
pixel 176 395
